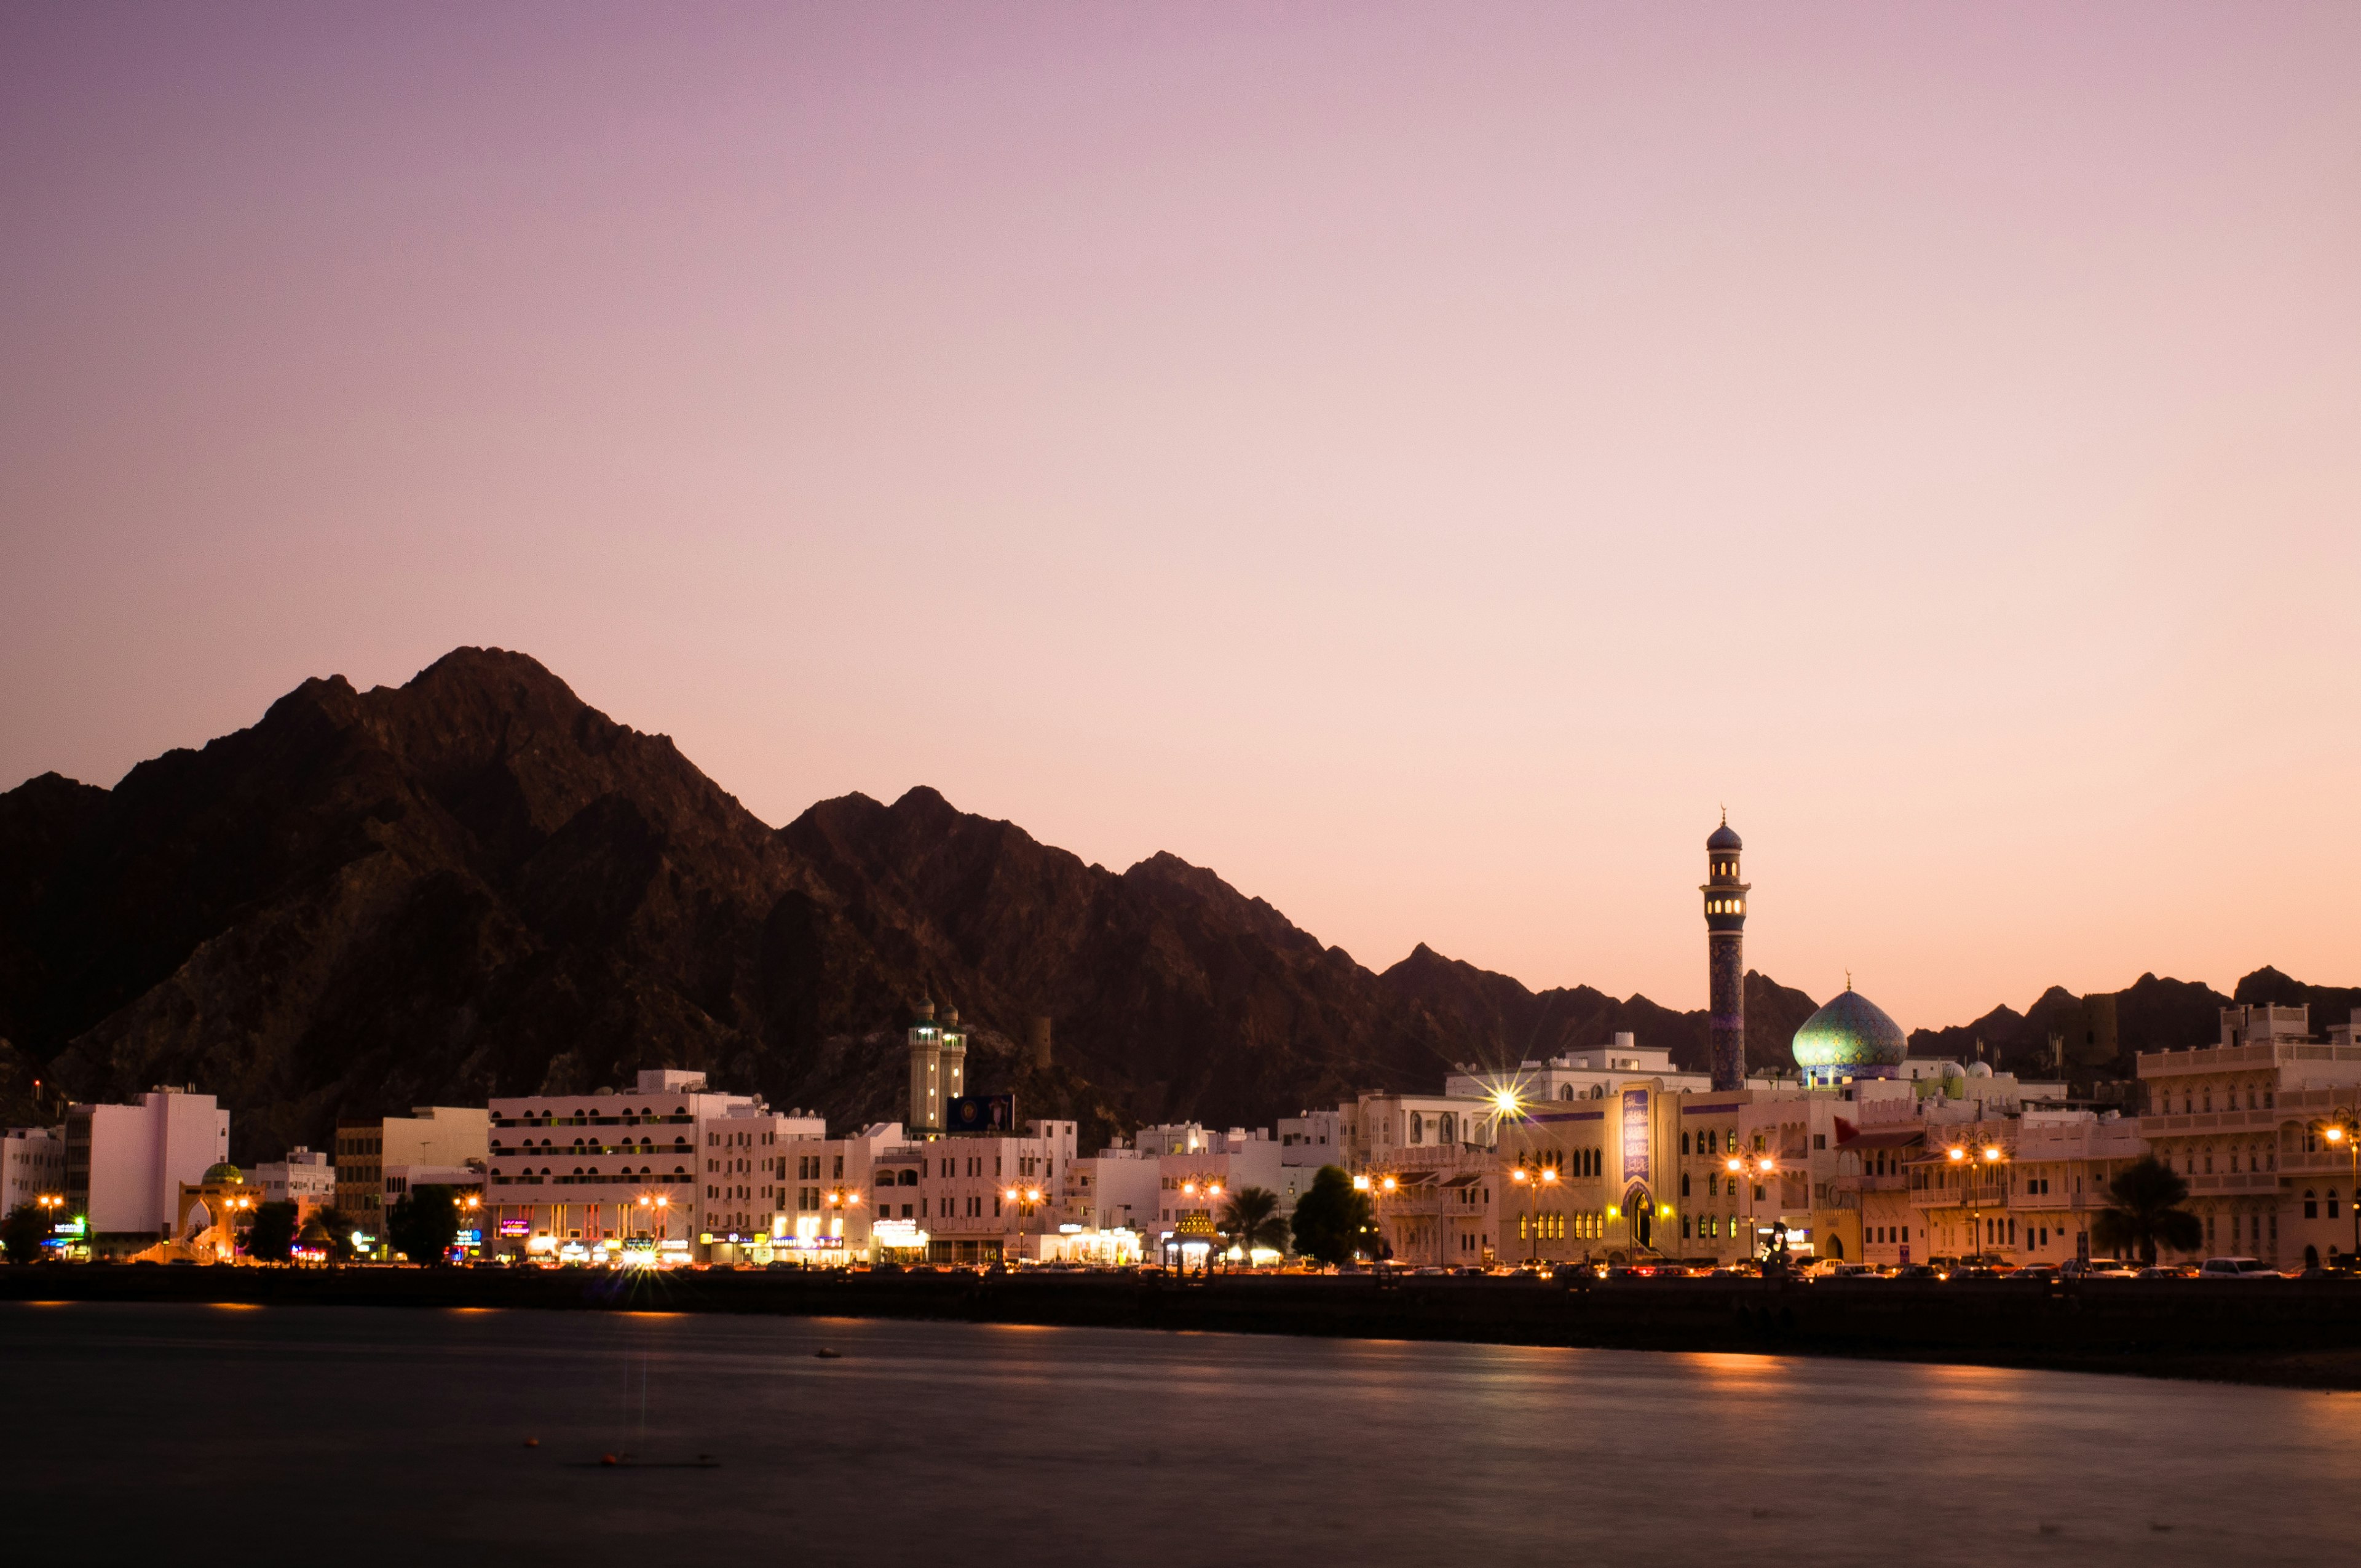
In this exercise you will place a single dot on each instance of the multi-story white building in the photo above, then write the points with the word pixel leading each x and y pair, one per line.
pixel 829 1200
pixel 32 1165
pixel 303 1178
pixel 124 1165
pixel 2246 1122
pixel 980 1198
pixel 667 1168
pixel 1116 1188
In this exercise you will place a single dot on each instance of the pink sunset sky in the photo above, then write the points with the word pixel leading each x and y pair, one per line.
pixel 1419 462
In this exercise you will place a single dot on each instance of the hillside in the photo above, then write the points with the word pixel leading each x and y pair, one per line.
pixel 475 884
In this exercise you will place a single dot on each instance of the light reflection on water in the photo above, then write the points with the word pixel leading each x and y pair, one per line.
pixel 943 1443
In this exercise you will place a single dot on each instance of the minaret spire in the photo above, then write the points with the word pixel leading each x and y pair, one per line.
pixel 1725 926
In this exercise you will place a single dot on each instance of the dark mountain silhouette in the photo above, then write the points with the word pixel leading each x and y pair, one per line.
pixel 477 884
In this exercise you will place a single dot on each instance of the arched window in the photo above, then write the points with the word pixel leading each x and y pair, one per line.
pixel 2311 1205
pixel 1418 1126
pixel 1684 1189
pixel 2332 1202
pixel 1565 1091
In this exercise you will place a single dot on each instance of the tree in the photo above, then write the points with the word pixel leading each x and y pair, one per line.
pixel 2144 1213
pixel 423 1224
pixel 23 1231
pixel 1332 1220
pixel 1250 1220
pixel 271 1236
pixel 332 1230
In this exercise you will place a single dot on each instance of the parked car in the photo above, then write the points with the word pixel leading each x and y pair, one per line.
pixel 2037 1271
pixel 2236 1268
pixel 2165 1271
pixel 2096 1268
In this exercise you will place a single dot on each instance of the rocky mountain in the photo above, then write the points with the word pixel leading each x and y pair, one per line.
pixel 475 884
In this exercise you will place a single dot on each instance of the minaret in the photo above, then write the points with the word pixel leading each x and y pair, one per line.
pixel 1725 947
pixel 926 1073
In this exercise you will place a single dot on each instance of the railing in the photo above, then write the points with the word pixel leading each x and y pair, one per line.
pixel 1896 1183
pixel 2186 1122
pixel 587 1121
pixel 600 1178
pixel 2238 1181
pixel 2215 1058
pixel 1982 1195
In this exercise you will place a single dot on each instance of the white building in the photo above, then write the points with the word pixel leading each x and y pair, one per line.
pixel 667 1168
pixel 305 1178
pixel 1114 1190
pixel 830 1210
pixel 980 1198
pixel 32 1165
pixel 2247 1123
pixel 124 1163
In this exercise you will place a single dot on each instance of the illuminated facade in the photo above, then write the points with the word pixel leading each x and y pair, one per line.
pixel 2260 1126
pixel 972 1198
pixel 124 1165
pixel 32 1165
pixel 937 1068
pixel 668 1168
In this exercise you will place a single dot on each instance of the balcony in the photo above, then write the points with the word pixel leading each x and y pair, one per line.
pixel 2183 1125
pixel 2237 1181
pixel 2231 1058
pixel 1980 1195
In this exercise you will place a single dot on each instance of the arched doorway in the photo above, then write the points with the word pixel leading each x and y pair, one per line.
pixel 1640 1211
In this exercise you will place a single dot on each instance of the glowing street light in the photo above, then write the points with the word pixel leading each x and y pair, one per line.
pixel 2342 1130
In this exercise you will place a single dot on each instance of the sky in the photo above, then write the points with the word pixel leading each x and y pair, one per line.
pixel 1420 462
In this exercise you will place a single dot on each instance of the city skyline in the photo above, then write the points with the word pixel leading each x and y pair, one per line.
pixel 1421 472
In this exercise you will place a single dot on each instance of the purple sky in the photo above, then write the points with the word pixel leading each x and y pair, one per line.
pixel 1418 463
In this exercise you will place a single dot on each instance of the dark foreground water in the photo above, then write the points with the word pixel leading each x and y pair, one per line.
pixel 337 1435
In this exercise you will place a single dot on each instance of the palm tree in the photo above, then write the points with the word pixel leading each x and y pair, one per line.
pixel 1250 1219
pixel 2144 1212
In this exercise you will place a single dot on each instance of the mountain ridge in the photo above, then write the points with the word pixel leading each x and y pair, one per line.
pixel 476 883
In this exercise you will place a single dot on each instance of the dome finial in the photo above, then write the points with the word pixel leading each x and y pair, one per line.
pixel 1848 980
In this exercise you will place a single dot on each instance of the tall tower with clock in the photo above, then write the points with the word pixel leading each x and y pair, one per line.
pixel 1725 947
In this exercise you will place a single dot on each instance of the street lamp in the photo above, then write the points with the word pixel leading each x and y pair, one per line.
pixel 1988 1156
pixel 1755 1168
pixel 1528 1181
pixel 1384 1185
pixel 2342 1130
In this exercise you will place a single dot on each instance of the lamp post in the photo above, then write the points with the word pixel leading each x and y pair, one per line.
pixel 1754 1168
pixel 1023 1198
pixel 2342 1129
pixel 1377 1185
pixel 1528 1181
pixel 1988 1157
pixel 659 1220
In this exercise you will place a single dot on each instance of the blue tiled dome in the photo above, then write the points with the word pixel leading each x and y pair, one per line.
pixel 1852 1037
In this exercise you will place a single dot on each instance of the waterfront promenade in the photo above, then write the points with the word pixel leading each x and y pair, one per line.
pixel 2302 1333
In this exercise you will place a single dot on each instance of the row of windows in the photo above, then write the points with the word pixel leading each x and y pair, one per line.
pixel 1725 907
pixel 2192 1103
pixel 594 1145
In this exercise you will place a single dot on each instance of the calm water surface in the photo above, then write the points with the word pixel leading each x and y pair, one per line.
pixel 212 1433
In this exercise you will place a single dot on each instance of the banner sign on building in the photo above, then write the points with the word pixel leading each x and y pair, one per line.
pixel 980 1113
pixel 1635 1134
pixel 516 1227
